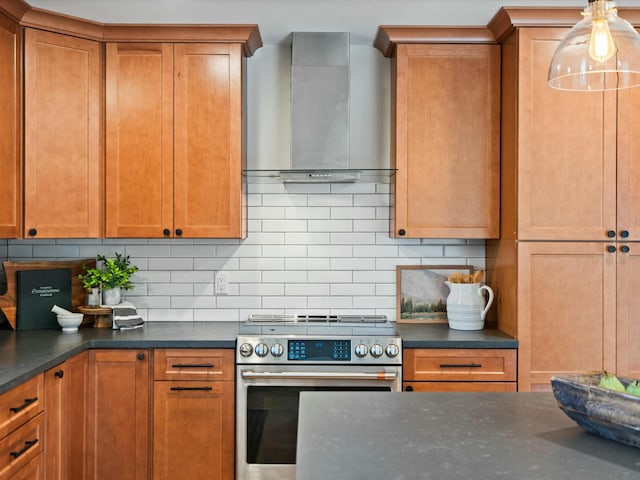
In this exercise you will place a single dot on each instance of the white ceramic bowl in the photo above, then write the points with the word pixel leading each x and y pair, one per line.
pixel 70 322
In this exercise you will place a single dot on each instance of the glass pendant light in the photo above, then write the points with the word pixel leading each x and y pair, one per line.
pixel 601 52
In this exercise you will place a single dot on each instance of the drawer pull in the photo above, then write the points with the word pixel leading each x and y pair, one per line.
pixel 27 402
pixel 460 365
pixel 181 389
pixel 27 445
pixel 192 365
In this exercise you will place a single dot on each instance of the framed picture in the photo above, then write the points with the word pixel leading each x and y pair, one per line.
pixel 421 295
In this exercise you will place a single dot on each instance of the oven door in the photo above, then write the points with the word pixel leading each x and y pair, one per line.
pixel 267 410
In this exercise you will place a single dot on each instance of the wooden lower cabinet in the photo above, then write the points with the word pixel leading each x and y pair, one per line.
pixel 118 415
pixel 460 370
pixel 66 419
pixel 193 420
pixel 34 470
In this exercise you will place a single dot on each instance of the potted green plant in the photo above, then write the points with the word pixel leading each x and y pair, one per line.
pixel 111 275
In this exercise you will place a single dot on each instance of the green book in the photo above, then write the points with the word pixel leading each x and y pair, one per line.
pixel 38 291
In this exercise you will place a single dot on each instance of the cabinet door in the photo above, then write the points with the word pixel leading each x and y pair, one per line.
pixel 139 140
pixel 447 141
pixel 208 140
pixel 628 331
pixel 566 310
pixel 566 151
pixel 63 139
pixel 118 415
pixel 10 128
pixel 193 430
pixel 65 419
pixel 628 164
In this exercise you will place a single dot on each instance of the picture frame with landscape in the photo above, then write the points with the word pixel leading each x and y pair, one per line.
pixel 421 295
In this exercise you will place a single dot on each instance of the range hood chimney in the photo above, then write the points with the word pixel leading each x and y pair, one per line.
pixel 320 109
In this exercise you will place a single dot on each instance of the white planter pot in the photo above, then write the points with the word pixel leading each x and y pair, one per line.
pixel 111 296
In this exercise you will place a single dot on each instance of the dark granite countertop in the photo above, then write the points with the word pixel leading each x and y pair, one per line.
pixel 439 335
pixel 457 436
pixel 24 354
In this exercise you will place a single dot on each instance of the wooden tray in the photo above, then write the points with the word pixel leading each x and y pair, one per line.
pixel 8 300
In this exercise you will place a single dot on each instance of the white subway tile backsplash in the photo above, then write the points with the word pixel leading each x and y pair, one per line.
pixel 330 251
pixel 311 248
pixel 262 263
pixel 284 250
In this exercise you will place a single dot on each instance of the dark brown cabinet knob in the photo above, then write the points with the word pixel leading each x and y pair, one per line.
pixel 624 249
pixel 166 232
pixel 409 388
pixel 611 249
pixel 611 233
pixel 140 356
pixel 624 233
pixel 402 232
pixel 33 232
pixel 178 231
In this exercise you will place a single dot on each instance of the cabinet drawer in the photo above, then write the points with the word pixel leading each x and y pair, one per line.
pixel 34 470
pixel 193 364
pixel 21 404
pixel 495 365
pixel 459 387
pixel 22 446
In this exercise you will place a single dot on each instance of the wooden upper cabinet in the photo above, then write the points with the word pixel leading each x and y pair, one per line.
pixel 566 151
pixel 445 140
pixel 628 175
pixel 10 128
pixel 174 140
pixel 139 139
pixel 208 148
pixel 63 185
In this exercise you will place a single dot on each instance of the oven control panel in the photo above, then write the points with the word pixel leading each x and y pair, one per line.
pixel 319 350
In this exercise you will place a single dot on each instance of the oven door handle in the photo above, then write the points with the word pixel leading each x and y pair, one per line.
pixel 386 376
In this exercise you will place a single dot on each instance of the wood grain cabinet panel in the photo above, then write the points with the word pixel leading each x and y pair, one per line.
pixel 65 419
pixel 174 140
pixel 193 414
pixel 118 414
pixel 22 446
pixel 564 267
pixel 446 141
pixel 63 185
pixel 20 404
pixel 10 128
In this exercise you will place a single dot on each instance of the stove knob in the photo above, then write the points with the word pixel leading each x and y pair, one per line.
pixel 262 350
pixel 376 350
pixel 361 350
pixel 246 350
pixel 277 350
pixel 392 350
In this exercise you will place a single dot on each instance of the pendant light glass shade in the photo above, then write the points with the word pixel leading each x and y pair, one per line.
pixel 601 52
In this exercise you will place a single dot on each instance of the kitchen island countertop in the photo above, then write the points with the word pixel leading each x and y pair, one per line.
pixel 457 436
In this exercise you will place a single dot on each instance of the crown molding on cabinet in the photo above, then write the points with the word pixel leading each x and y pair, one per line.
pixel 23 13
pixel 388 36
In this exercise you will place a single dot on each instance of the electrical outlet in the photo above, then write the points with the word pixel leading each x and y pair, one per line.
pixel 221 284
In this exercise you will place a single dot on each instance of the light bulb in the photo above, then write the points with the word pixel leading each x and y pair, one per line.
pixel 601 44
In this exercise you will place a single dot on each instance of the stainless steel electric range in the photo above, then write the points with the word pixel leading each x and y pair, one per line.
pixel 279 356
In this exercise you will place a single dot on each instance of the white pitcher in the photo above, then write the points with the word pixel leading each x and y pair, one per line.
pixel 466 307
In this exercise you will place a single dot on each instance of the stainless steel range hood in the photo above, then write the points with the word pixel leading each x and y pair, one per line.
pixel 319 115
pixel 319 108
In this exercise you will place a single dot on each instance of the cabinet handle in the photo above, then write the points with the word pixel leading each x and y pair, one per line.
pixel 27 445
pixel 402 232
pixel 611 249
pixel 182 389
pixel 624 249
pixel 460 365
pixel 59 374
pixel 140 356
pixel 33 232
pixel 624 233
pixel 178 231
pixel 192 365
pixel 611 233
pixel 409 388
pixel 166 232
pixel 27 402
